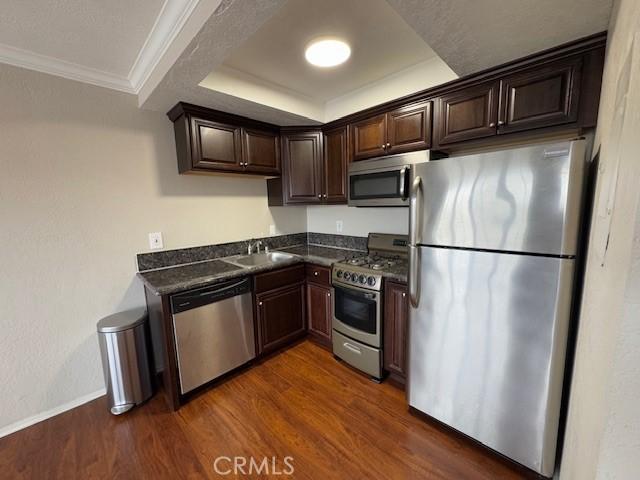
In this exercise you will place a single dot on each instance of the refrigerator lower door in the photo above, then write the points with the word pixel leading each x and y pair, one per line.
pixel 487 348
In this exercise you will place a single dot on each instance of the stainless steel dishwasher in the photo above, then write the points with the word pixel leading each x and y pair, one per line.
pixel 214 331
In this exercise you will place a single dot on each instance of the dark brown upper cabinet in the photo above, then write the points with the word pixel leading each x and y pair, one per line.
pixel 409 128
pixel 314 166
pixel 216 146
pixel 467 114
pixel 335 165
pixel 302 164
pixel 369 137
pixel 261 151
pixel 401 130
pixel 540 97
pixel 208 141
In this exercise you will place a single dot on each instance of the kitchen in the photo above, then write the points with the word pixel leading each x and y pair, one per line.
pixel 391 268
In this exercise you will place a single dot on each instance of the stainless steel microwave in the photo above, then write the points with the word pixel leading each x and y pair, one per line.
pixel 383 181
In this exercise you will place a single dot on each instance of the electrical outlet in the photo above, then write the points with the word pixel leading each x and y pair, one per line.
pixel 155 241
pixel 272 229
pixel 339 226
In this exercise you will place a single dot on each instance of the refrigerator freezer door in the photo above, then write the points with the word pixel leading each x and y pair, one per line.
pixel 521 200
pixel 487 348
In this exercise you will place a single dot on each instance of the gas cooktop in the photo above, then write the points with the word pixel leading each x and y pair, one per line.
pixel 365 271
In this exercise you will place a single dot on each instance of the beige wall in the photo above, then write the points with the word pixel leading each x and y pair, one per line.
pixel 603 427
pixel 84 177
pixel 358 221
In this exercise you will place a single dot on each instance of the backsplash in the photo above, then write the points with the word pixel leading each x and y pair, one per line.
pixel 181 256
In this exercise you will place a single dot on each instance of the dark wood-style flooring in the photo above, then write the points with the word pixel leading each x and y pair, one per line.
pixel 300 403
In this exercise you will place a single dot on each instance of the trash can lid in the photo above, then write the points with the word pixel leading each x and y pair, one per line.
pixel 122 320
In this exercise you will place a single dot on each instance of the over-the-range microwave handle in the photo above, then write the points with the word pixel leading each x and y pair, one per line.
pixel 403 182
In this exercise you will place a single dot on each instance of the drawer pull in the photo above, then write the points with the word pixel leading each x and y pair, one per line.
pixel 315 274
pixel 351 347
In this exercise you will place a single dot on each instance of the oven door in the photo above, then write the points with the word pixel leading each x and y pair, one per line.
pixel 356 314
pixel 379 188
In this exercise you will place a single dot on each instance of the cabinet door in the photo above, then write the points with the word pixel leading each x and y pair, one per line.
pixel 335 166
pixel 216 146
pixel 302 157
pixel 319 310
pixel 280 316
pixel 261 151
pixel 540 97
pixel 396 314
pixel 369 137
pixel 467 114
pixel 409 128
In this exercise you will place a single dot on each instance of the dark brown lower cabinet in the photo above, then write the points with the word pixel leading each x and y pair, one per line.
pixel 396 315
pixel 319 311
pixel 280 311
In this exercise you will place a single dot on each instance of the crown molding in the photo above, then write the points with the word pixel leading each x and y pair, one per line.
pixel 172 17
pixel 61 68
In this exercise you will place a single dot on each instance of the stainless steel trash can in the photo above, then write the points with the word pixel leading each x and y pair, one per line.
pixel 125 359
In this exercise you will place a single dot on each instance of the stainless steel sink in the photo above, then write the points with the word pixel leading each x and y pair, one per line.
pixel 259 259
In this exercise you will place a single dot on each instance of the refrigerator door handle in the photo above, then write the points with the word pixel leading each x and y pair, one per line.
pixel 414 275
pixel 415 211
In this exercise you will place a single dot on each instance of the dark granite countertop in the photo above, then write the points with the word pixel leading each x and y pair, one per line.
pixel 321 255
pixel 185 277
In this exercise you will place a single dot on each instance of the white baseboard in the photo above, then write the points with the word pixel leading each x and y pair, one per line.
pixel 27 422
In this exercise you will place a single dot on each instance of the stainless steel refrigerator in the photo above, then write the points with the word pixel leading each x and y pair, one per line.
pixel 493 239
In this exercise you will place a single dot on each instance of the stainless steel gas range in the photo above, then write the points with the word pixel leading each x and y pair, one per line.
pixel 357 301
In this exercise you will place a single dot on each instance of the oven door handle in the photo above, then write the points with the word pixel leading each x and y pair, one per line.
pixel 355 293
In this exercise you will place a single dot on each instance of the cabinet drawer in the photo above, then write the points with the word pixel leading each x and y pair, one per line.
pixel 318 274
pixel 357 354
pixel 279 278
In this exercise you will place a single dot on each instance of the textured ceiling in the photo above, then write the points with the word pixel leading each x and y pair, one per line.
pixel 102 34
pixel 381 44
pixel 474 35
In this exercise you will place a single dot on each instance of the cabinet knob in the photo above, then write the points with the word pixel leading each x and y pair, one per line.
pixel 315 274
pixel 319 195
pixel 328 294
pixel 500 122
pixel 388 145
pixel 259 303
pixel 325 195
pixel 404 294
pixel 492 124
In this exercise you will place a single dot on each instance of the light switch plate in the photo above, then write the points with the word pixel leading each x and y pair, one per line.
pixel 339 226
pixel 272 229
pixel 155 241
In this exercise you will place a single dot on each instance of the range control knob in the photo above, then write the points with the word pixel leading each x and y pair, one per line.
pixel 371 280
pixel 351 277
pixel 339 273
pixel 362 279
pixel 347 276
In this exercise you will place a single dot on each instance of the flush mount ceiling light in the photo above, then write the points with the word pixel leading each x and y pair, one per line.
pixel 327 52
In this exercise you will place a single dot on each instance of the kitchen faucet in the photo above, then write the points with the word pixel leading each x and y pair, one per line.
pixel 257 244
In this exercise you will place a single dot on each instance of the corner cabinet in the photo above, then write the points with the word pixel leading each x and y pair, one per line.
pixel 208 141
pixel 396 319
pixel 401 130
pixel 314 168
